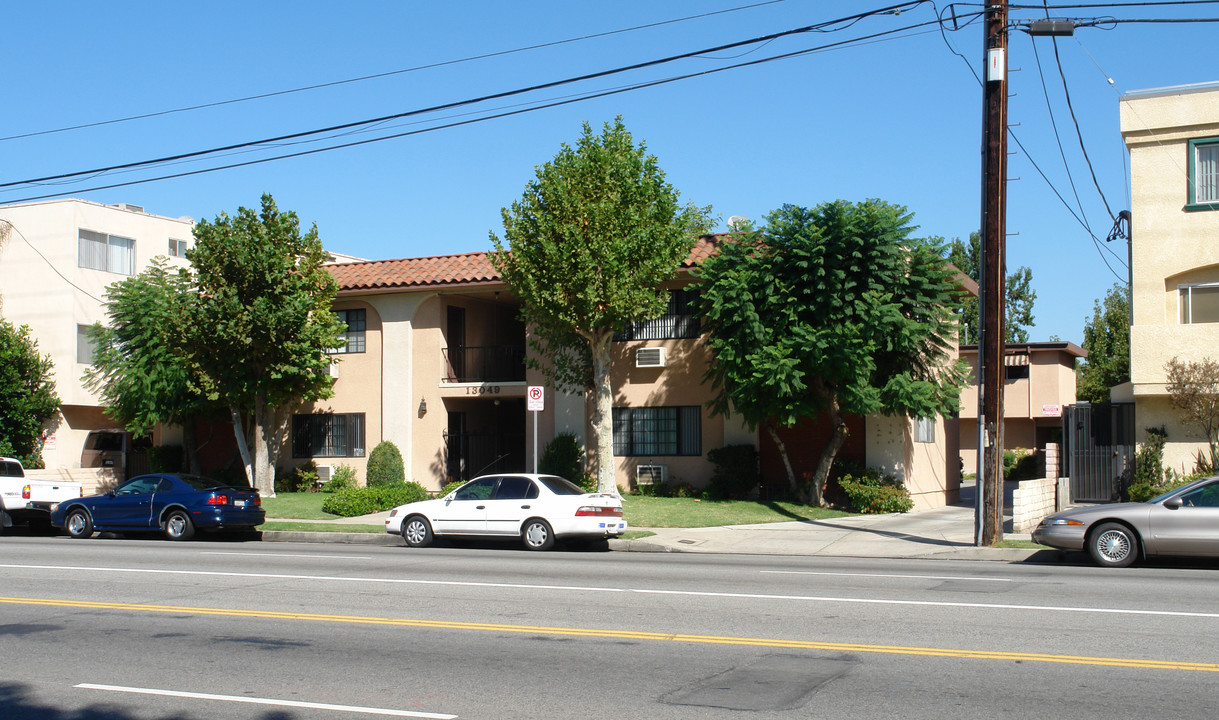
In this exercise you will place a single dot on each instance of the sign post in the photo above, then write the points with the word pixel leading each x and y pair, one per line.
pixel 535 403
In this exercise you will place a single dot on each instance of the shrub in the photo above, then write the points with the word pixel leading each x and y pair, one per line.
pixel 736 473
pixel 165 458
pixel 354 502
pixel 870 493
pixel 1019 464
pixel 563 457
pixel 451 487
pixel 385 466
pixel 342 477
pixel 298 479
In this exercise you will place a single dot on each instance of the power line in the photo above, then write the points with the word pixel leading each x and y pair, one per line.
pixel 390 73
pixel 817 27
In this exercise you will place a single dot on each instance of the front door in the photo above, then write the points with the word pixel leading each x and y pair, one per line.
pixel 1193 528
pixel 467 511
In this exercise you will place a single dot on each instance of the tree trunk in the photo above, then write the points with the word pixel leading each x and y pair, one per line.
pixel 190 445
pixel 264 428
pixel 792 485
pixel 603 411
pixel 837 438
pixel 239 432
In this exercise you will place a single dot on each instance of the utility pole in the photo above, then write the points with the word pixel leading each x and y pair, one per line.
pixel 988 510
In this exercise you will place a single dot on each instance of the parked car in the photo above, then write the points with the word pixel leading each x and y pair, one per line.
pixel 25 501
pixel 538 509
pixel 1184 522
pixel 174 503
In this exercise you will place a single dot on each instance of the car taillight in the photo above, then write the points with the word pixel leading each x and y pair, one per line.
pixel 258 500
pixel 597 511
pixel 218 500
pixel 25 493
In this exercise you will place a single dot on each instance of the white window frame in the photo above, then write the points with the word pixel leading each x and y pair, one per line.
pixel 177 248
pixel 1187 308
pixel 108 253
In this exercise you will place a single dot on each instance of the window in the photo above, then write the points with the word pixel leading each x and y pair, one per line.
pixel 924 430
pixel 1203 174
pixel 1016 372
pixel 328 435
pixel 355 322
pixel 1199 304
pixel 84 345
pixel 177 248
pixel 111 253
pixel 679 320
pixel 657 431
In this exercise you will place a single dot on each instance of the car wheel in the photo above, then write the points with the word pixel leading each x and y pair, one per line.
pixel 416 531
pixel 537 535
pixel 178 526
pixel 1113 545
pixel 78 524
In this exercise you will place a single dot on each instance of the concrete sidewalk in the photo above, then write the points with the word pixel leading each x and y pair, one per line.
pixel 943 533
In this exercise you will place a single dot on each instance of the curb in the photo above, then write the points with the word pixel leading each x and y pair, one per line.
pixel 331 537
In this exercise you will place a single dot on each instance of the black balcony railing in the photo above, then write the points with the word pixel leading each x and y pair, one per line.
pixel 488 363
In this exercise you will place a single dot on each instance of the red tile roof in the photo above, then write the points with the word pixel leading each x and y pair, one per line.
pixel 454 270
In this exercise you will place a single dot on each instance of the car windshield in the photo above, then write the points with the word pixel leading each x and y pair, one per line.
pixel 559 486
pixel 1170 493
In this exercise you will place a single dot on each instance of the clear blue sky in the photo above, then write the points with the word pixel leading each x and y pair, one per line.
pixel 897 117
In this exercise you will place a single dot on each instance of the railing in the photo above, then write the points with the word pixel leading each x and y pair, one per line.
pixel 489 363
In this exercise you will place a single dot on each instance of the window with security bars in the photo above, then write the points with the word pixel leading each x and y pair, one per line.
pixel 657 431
pixel 1199 304
pixel 680 320
pixel 330 435
pixel 1203 174
pixel 110 253
pixel 355 320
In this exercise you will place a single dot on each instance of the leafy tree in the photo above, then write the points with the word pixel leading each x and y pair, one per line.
pixel 833 310
pixel 589 243
pixel 264 324
pixel 143 369
pixel 1107 341
pixel 1193 388
pixel 27 394
pixel 1018 296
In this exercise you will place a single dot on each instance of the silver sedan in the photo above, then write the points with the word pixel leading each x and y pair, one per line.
pixel 1184 521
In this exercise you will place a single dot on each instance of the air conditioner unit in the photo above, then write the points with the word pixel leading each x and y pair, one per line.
pixel 650 357
pixel 651 474
pixel 332 369
pixel 324 473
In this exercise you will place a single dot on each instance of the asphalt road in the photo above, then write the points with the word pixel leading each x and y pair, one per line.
pixel 125 629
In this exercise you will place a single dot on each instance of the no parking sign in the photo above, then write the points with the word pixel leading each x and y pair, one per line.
pixel 536 399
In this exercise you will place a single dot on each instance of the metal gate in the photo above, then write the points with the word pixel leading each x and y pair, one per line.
pixel 1099 450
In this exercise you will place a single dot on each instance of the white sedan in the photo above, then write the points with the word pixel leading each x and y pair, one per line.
pixel 536 508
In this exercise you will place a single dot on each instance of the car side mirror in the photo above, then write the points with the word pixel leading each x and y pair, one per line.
pixel 1173 503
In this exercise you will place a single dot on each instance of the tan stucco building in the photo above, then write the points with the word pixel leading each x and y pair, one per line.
pixel 60 257
pixel 1172 135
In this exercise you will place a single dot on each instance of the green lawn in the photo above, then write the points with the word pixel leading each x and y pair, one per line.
pixel 639 511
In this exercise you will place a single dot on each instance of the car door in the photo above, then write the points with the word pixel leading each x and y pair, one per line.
pixel 466 513
pixel 512 504
pixel 1192 528
pixel 129 507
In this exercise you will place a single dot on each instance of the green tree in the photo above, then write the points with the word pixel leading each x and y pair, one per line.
pixel 1193 389
pixel 589 243
pixel 385 466
pixel 834 310
pixel 1107 341
pixel 264 324
pixel 1018 296
pixel 27 394
pixel 143 369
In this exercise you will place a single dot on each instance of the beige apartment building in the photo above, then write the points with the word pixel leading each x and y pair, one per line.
pixel 1038 382
pixel 1172 135
pixel 60 258
pixel 435 363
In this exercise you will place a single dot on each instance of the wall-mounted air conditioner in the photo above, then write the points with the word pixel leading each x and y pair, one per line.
pixel 324 473
pixel 651 474
pixel 646 357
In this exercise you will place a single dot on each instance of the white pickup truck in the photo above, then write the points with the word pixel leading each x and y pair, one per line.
pixel 24 501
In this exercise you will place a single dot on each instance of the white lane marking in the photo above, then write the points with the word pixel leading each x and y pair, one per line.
pixel 881 575
pixel 586 588
pixel 320 557
pixel 265 701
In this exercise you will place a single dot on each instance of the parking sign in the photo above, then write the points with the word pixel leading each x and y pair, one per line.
pixel 536 401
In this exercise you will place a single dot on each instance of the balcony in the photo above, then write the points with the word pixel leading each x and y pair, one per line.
pixel 488 363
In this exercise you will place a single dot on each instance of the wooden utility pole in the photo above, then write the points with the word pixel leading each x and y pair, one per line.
pixel 989 497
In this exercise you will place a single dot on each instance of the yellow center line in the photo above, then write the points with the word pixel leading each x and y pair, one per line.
pixel 630 635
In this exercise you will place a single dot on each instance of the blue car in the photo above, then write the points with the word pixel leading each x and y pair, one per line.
pixel 174 503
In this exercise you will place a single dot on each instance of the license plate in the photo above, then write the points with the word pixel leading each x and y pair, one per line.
pixel 239 503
